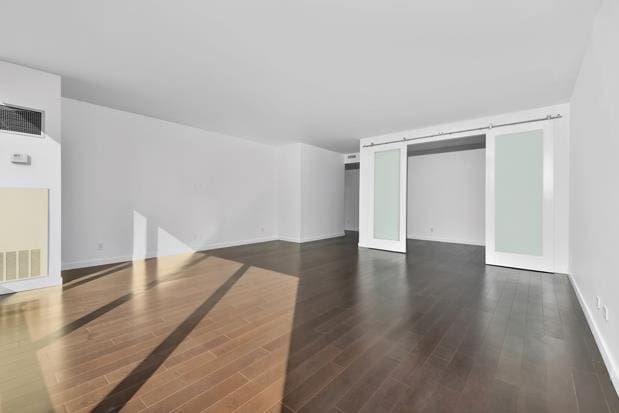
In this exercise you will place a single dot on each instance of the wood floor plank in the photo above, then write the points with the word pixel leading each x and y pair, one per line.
pixel 385 398
pixel 589 393
pixel 361 392
pixel 194 382
pixel 315 327
pixel 303 393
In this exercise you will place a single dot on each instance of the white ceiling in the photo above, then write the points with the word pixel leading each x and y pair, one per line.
pixel 323 72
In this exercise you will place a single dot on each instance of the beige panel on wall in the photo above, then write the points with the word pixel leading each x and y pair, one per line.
pixel 24 232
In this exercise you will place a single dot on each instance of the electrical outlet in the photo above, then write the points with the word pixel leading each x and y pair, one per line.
pixel 431 229
pixel 598 302
pixel 100 246
pixel 605 312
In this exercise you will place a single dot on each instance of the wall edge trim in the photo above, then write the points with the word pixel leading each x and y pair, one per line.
pixel 607 357
pixel 70 265
pixel 300 240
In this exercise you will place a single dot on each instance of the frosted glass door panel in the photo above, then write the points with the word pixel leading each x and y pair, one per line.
pixel 382 212
pixel 520 196
pixel 387 195
pixel 519 186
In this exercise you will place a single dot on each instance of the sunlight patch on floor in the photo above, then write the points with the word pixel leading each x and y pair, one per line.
pixel 192 310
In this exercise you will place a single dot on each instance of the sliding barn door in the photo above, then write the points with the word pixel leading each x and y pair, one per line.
pixel 520 197
pixel 387 209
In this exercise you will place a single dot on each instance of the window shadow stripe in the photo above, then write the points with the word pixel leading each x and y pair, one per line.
pixel 87 279
pixel 93 315
pixel 126 389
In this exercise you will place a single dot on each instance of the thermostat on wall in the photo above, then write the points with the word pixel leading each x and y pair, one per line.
pixel 20 158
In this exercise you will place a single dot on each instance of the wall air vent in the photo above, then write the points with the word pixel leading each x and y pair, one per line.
pixel 351 158
pixel 20 265
pixel 21 120
pixel 24 233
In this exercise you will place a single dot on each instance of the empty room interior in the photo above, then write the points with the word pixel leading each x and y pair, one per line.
pixel 314 206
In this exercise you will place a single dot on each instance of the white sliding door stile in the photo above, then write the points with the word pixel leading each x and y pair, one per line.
pixel 387 207
pixel 520 196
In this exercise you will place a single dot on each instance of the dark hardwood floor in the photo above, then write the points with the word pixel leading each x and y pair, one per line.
pixel 317 327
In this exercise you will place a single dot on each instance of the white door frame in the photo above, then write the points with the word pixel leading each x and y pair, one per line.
pixel 544 262
pixel 371 241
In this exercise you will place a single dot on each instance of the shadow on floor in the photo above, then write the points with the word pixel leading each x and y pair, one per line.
pixel 124 391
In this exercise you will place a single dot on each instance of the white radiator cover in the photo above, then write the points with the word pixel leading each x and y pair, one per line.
pixel 23 233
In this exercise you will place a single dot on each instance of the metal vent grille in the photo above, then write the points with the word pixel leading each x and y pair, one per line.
pixel 19 265
pixel 14 119
pixel 11 266
pixel 24 263
pixel 35 263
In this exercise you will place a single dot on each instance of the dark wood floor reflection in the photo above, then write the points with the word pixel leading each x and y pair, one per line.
pixel 317 327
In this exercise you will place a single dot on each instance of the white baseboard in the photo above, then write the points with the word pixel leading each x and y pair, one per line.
pixel 95 261
pixel 609 361
pixel 122 258
pixel 424 237
pixel 312 238
pixel 325 236
pixel 362 245
pixel 216 245
pixel 9 287
pixel 290 239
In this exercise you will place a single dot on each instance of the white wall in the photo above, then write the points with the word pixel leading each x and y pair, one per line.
pixel 39 90
pixel 311 193
pixel 289 192
pixel 144 187
pixel 446 196
pixel 561 167
pixel 138 187
pixel 322 193
pixel 594 219
pixel 351 200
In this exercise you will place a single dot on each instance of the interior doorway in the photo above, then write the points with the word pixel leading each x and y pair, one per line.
pixel 446 186
pixel 351 197
pixel 518 204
